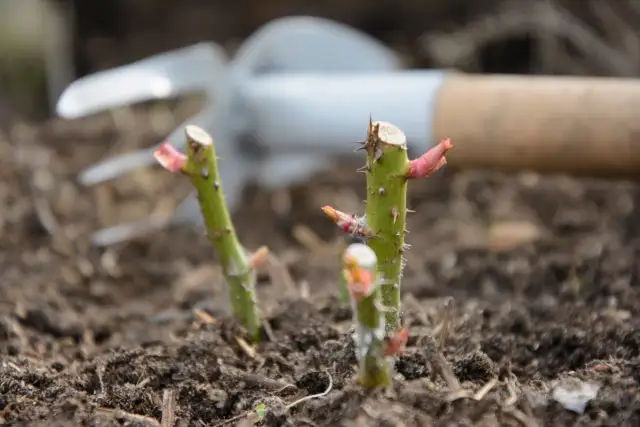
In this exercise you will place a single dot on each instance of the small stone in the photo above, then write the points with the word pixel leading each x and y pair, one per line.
pixel 574 394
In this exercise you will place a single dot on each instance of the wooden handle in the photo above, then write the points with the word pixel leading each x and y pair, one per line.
pixel 573 125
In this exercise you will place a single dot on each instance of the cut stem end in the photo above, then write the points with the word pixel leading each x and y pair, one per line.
pixel 201 167
pixel 196 134
pixel 360 267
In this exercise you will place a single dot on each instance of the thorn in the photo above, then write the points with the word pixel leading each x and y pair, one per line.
pixel 364 169
pixel 363 145
pixel 381 191
pixel 410 211
pixel 394 214
pixel 371 141
pixel 378 155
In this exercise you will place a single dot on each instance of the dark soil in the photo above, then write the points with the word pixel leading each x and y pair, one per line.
pixel 519 282
pixel 516 285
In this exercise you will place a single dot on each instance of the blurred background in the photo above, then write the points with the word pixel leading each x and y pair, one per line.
pixel 45 44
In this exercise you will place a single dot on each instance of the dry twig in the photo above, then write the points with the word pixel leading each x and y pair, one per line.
pixel 117 413
pixel 168 408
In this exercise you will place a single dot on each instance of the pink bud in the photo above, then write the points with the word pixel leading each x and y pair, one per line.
pixel 170 158
pixel 434 159
pixel 259 257
pixel 397 342
pixel 359 280
pixel 348 223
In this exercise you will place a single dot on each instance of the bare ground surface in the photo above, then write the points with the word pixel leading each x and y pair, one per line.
pixel 523 284
pixel 517 287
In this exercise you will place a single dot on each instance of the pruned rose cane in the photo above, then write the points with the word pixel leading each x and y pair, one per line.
pixel 388 169
pixel 386 166
pixel 360 272
pixel 239 268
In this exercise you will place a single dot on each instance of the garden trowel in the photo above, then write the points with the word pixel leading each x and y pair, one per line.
pixel 301 90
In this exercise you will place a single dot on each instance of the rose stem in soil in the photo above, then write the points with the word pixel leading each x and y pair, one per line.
pixel 383 227
pixel 359 270
pixel 200 165
pixel 386 164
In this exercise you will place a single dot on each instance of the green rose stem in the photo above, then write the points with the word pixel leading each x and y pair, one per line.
pixel 387 163
pixel 361 279
pixel 200 165
pixel 388 169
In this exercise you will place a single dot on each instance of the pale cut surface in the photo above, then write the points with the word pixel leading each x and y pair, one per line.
pixel 391 134
pixel 362 254
pixel 199 135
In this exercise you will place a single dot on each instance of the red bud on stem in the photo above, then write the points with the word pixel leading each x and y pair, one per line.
pixel 348 223
pixel 170 158
pixel 427 164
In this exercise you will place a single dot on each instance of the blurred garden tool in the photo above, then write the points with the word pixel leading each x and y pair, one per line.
pixel 301 90
pixel 292 45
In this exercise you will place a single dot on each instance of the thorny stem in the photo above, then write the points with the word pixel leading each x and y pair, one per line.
pixel 360 270
pixel 201 166
pixel 387 164
pixel 388 169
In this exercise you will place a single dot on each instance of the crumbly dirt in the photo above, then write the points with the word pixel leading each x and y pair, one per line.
pixel 516 286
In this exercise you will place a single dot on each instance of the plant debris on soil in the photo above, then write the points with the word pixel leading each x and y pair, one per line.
pixel 521 293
